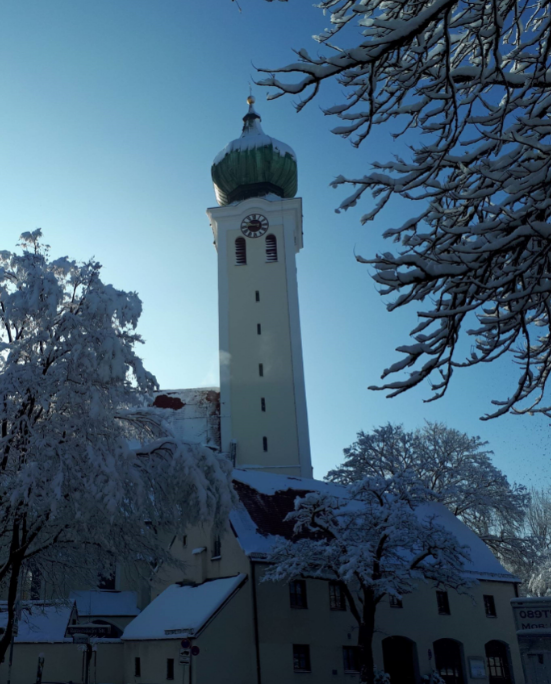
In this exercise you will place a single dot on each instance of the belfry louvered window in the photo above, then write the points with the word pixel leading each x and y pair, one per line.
pixel 271 248
pixel 240 251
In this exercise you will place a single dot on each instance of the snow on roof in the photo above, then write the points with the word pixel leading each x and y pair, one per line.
pixel 253 136
pixel 182 610
pixel 41 621
pixel 266 498
pixel 98 602
pixel 194 414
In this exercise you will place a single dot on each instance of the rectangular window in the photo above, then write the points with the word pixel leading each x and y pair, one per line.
pixel 351 658
pixel 301 658
pixel 395 602
pixel 265 443
pixel 257 296
pixel 263 404
pixel 137 667
pixel 258 329
pixel 490 605
pixel 337 599
pixel 217 547
pixel 297 594
pixel 443 603
pixel 184 541
pixel 170 668
pixel 261 370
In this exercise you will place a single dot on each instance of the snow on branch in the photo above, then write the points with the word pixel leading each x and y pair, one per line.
pixel 467 87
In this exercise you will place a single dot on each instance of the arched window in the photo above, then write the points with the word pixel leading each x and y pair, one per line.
pixel 448 657
pixel 497 656
pixel 400 659
pixel 271 248
pixel 240 251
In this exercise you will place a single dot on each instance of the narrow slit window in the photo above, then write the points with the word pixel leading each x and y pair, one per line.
pixel 261 370
pixel 240 251
pixel 258 329
pixel 257 295
pixel 137 667
pixel 271 248
pixel 263 404
pixel 265 443
pixel 170 668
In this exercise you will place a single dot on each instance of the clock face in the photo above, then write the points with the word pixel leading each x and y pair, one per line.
pixel 254 225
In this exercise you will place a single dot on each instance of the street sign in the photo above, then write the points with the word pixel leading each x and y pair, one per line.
pixel 185 656
pixel 185 643
pixel 195 650
pixel 89 629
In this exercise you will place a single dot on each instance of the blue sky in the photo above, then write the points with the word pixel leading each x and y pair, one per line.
pixel 112 112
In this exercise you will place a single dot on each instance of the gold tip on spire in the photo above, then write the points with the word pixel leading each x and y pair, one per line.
pixel 250 100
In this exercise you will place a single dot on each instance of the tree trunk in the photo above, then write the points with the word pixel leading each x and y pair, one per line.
pixel 15 572
pixel 365 639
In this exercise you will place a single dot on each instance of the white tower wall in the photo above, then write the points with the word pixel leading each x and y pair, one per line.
pixel 278 347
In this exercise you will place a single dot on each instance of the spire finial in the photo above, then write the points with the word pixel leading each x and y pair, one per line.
pixel 251 100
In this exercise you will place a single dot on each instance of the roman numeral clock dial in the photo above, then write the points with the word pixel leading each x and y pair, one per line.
pixel 254 225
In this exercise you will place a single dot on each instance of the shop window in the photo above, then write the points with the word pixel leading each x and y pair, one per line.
pixel 240 251
pixel 301 658
pixel 443 603
pixel 297 594
pixel 351 658
pixel 490 606
pixel 271 248
pixel 337 598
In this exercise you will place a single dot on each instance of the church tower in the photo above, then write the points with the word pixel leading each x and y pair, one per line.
pixel 257 233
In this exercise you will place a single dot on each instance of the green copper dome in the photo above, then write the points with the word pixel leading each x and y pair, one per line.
pixel 254 165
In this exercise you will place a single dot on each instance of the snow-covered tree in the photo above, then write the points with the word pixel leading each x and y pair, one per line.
pixel 455 467
pixel 532 563
pixel 378 539
pixel 88 472
pixel 467 87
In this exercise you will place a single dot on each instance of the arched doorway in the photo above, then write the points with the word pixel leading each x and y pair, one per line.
pixel 400 660
pixel 497 656
pixel 449 660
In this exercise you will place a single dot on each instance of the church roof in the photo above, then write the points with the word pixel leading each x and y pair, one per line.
pixel 254 165
pixel 194 414
pixel 266 498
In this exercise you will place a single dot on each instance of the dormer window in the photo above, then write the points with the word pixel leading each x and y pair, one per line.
pixel 271 248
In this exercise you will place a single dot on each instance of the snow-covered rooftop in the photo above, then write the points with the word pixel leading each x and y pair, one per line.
pixel 194 414
pixel 98 602
pixel 41 621
pixel 266 498
pixel 182 610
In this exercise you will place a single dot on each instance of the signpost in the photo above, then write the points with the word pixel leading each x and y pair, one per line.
pixel 186 653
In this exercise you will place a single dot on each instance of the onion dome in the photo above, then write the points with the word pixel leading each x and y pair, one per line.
pixel 254 165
